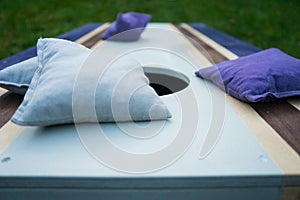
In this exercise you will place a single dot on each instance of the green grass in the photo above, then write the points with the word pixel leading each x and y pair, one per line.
pixel 274 23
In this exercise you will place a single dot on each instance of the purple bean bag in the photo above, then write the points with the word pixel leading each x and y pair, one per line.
pixel 260 77
pixel 128 27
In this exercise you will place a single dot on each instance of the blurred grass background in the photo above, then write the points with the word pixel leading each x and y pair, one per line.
pixel 274 23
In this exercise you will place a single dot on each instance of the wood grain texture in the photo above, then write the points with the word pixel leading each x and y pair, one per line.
pixel 214 56
pixel 284 118
pixel 9 102
pixel 210 42
pixel 95 37
pixel 8 133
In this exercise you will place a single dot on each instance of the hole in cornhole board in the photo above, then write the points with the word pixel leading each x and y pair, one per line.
pixel 166 81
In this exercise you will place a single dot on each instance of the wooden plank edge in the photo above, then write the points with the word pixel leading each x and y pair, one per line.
pixel 8 133
pixel 98 44
pixel 2 91
pixel 193 51
pixel 91 34
pixel 295 102
pixel 222 50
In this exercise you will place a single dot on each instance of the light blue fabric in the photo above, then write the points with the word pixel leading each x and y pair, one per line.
pixel 48 100
pixel 17 77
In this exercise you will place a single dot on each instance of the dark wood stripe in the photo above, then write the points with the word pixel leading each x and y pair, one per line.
pixel 280 115
pixel 9 102
pixel 284 118
pixel 93 40
pixel 215 57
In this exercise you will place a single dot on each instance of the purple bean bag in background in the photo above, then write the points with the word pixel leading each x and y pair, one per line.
pixel 260 77
pixel 127 27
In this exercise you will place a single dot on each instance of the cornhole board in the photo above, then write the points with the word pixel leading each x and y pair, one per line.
pixel 255 153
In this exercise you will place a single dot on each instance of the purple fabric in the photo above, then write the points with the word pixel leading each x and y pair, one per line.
pixel 259 77
pixel 127 27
